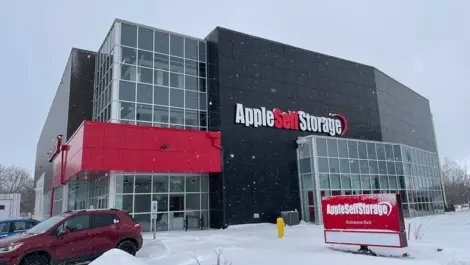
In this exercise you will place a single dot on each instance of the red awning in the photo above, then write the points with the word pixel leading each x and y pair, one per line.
pixel 99 146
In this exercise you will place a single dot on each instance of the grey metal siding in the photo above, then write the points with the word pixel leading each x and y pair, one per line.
pixel 55 124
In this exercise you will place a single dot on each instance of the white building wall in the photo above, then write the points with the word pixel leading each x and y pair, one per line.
pixel 10 206
pixel 39 198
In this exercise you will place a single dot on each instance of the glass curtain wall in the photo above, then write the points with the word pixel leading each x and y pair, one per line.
pixel 98 193
pixel 78 196
pixel 423 176
pixel 162 80
pixel 89 195
pixel 183 200
pixel 331 166
pixel 58 199
pixel 46 205
pixel 104 65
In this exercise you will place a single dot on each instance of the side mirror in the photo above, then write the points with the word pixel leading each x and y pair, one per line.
pixel 62 231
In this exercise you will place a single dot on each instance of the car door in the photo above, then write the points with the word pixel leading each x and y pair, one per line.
pixel 105 231
pixel 76 244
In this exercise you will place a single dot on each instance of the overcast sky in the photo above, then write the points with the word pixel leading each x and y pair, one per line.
pixel 423 44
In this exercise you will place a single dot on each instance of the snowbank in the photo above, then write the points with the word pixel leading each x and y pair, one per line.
pixel 117 257
pixel 442 240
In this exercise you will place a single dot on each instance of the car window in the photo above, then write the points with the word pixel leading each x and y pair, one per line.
pixel 30 225
pixel 19 226
pixel 78 223
pixel 4 227
pixel 46 225
pixel 100 220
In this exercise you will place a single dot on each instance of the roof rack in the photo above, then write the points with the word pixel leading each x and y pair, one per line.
pixel 85 210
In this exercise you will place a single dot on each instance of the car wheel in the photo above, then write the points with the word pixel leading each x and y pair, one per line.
pixel 129 247
pixel 35 260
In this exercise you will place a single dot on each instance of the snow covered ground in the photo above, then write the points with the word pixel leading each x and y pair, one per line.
pixel 258 244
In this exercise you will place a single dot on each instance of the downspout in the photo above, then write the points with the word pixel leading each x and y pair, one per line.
pixel 63 149
pixel 52 202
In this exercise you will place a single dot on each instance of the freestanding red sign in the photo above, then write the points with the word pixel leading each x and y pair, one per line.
pixel 366 220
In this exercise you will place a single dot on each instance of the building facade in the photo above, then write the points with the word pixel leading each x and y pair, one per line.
pixel 71 106
pixel 210 129
pixel 335 166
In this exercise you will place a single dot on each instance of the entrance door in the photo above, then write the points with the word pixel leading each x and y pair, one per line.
pixel 5 209
pixel 311 206
pixel 101 203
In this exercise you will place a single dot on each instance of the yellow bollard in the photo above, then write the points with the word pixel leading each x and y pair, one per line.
pixel 280 227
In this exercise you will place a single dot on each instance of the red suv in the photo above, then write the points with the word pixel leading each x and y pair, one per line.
pixel 72 237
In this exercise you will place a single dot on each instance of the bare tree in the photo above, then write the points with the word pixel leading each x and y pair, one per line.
pixel 456 182
pixel 17 180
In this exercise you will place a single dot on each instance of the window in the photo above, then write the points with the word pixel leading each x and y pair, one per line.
pixel 128 55
pixel 202 101
pixel 202 85
pixel 162 42
pixel 191 51
pixel 332 148
pixel 161 95
pixel 128 35
pixel 145 39
pixel 177 184
pixel 100 220
pixel 2 207
pixel 162 200
pixel 19 226
pixel 191 67
pixel 144 75
pixel 343 148
pixel 160 61
pixel 128 72
pixel 145 59
pixel 176 116
pixel 78 223
pixel 144 93
pixel 176 65
pixel 202 51
pixel 202 69
pixel 160 114
pixel 321 147
pixel 371 151
pixel 176 202
pixel 4 227
pixel 362 149
pixel 193 184
pixel 192 100
pixel 176 80
pixel 177 98
pixel 127 111
pixel 161 78
pixel 127 91
pixel 305 165
pixel 176 45
pixel 30 225
pixel 352 149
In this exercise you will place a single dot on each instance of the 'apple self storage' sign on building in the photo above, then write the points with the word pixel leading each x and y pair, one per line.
pixel 334 125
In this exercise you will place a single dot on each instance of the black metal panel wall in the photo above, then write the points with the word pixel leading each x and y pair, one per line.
pixel 81 89
pixel 405 115
pixel 216 180
pixel 260 169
